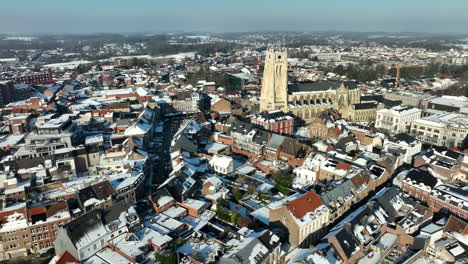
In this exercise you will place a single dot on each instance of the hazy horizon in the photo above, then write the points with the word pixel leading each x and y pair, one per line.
pixel 118 16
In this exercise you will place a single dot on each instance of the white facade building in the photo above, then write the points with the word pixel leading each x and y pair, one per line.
pixel 307 173
pixel 222 164
pixel 397 119
pixel 441 128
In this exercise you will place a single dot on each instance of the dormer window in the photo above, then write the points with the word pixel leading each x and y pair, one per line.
pixel 113 227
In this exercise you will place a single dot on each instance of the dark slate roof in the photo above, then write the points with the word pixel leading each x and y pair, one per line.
pixel 420 176
pixel 388 83
pixel 391 103
pixel 261 137
pixel 86 194
pixel 160 193
pixel 347 241
pixel 385 201
pixel 241 127
pixel 341 190
pixel 80 226
pixel 244 254
pixel 453 154
pixel 363 106
pixel 405 137
pixel 113 212
pixel 343 141
pixel 184 143
pixel 272 115
pixel 319 86
pixel 292 147
pixel 103 190
pixel 377 98
pixel 266 239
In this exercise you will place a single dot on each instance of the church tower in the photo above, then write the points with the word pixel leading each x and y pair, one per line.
pixel 275 80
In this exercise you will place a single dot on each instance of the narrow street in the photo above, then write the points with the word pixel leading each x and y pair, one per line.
pixel 161 149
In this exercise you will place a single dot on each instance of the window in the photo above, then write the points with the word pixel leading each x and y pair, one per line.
pixel 33 238
pixel 46 235
pixel 45 228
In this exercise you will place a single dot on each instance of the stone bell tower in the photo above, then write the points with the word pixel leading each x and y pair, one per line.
pixel 275 80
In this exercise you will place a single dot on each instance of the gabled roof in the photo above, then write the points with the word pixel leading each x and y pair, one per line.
pixel 420 176
pixel 113 213
pixel 342 190
pixel 184 143
pixel 86 194
pixel 79 229
pixel 103 190
pixel 348 242
pixel 455 224
pixel 161 193
pixel 293 147
pixel 65 258
pixel 307 203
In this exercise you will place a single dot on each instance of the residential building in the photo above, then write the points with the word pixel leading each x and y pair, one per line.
pixel 304 217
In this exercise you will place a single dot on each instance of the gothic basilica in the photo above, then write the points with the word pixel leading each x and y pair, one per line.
pixel 307 99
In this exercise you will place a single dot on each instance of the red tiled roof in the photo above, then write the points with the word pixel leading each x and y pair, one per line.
pixel 457 225
pixel 304 204
pixel 343 166
pixel 37 210
pixel 360 179
pixel 65 258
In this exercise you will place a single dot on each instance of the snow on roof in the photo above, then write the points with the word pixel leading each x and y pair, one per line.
pixel 431 229
pixel 94 139
pixel 107 256
pixel 175 211
pixel 205 249
pixel 14 221
pixel 147 235
pixel 163 200
pixel 387 241
pixel 215 147
pixel 137 129
pixel 221 161
pixel 455 101
pixel 196 204
pixel 129 247
pixel 166 222
pixel 262 214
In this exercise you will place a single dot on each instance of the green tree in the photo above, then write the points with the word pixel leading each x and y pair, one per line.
pixel 235 217
pixel 237 194
pixel 83 68
pixel 283 178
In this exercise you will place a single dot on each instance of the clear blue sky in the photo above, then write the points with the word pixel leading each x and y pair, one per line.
pixel 87 16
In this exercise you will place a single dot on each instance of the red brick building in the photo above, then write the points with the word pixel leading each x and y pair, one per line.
pixel 275 121
pixel 440 198
pixel 41 77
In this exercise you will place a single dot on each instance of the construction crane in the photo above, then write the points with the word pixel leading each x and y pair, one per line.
pixel 398 67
